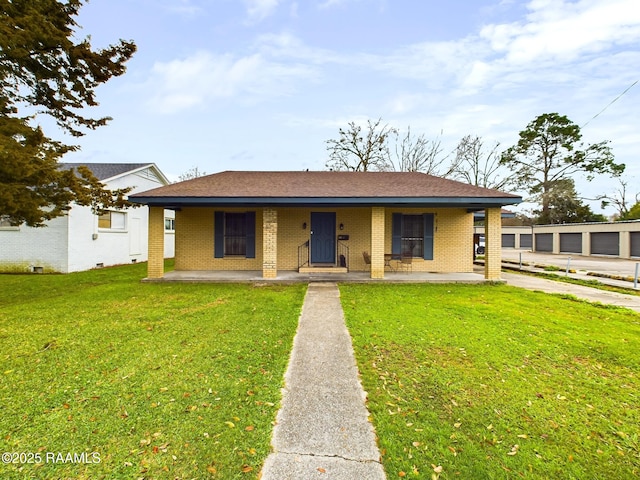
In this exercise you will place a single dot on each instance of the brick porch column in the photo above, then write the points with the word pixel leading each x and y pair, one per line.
pixel 269 243
pixel 155 265
pixel 493 243
pixel 377 242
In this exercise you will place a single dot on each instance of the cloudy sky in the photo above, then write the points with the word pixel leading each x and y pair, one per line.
pixel 262 84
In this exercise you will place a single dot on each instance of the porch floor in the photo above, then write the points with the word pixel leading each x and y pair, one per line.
pixel 255 276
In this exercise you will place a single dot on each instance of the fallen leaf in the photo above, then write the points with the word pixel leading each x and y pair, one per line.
pixel 523 435
pixel 322 470
pixel 212 469
pixel 437 469
pixel 457 424
pixel 402 474
pixel 246 469
pixel 230 424
pixel 249 428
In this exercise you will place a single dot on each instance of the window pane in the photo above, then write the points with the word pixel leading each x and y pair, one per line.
pixel 104 220
pixel 118 220
pixel 235 234
pixel 413 235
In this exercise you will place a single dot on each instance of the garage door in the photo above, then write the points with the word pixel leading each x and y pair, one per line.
pixel 525 240
pixel 634 238
pixel 605 243
pixel 544 242
pixel 571 242
pixel 509 240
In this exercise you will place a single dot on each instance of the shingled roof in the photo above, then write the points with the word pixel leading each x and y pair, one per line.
pixel 323 188
pixel 105 171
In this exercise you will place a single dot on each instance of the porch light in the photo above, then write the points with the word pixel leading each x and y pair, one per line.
pixel 342 226
pixel 304 225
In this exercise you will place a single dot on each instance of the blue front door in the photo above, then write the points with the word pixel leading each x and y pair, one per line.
pixel 323 237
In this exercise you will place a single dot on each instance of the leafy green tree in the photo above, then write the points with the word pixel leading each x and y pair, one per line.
pixel 549 151
pixel 564 206
pixel 44 70
pixel 633 213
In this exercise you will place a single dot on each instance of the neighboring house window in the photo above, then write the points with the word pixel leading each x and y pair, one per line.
pixel 5 224
pixel 412 235
pixel 113 220
pixel 235 234
pixel 169 224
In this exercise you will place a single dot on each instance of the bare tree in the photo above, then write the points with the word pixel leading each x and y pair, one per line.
pixel 193 172
pixel 419 154
pixel 477 165
pixel 361 150
pixel 618 199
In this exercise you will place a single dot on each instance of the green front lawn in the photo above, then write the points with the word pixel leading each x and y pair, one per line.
pixel 494 382
pixel 183 381
pixel 149 380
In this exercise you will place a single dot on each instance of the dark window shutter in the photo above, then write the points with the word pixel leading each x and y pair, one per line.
pixel 396 234
pixel 218 236
pixel 428 236
pixel 250 218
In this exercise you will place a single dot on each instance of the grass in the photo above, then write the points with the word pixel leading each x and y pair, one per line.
pixel 493 382
pixel 152 380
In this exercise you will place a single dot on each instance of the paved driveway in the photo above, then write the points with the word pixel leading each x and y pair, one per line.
pixel 582 264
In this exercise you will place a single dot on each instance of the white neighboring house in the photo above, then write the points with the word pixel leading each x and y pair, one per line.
pixel 82 240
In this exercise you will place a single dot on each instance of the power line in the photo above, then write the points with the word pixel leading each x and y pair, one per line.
pixel 610 103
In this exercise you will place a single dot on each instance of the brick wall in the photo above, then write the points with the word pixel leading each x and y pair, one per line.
pixel 493 244
pixel 453 239
pixel 194 241
pixel 269 243
pixel 155 267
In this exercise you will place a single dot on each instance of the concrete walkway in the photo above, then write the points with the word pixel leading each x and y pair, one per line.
pixel 585 293
pixel 322 428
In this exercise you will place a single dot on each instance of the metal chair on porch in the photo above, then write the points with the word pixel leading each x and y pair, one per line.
pixel 406 262
pixel 367 259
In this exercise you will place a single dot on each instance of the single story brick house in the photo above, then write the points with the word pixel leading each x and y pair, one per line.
pixel 357 221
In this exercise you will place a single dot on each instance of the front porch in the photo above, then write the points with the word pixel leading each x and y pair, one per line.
pixel 286 277
pixel 357 243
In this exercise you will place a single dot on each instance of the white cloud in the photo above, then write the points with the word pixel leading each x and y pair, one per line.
pixel 258 10
pixel 564 30
pixel 331 3
pixel 184 8
pixel 204 77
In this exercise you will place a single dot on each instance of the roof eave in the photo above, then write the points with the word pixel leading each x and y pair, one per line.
pixel 459 202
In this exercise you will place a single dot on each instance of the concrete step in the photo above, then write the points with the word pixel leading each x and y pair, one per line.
pixel 323 269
